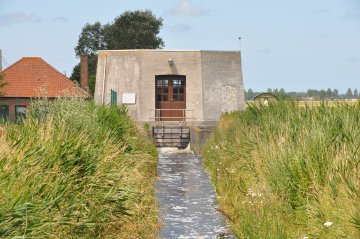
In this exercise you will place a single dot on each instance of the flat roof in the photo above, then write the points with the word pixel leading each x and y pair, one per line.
pixel 166 50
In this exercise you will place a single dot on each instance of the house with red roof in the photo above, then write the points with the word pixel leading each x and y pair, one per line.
pixel 30 78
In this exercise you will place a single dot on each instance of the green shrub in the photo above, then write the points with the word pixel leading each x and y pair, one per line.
pixel 75 170
pixel 283 171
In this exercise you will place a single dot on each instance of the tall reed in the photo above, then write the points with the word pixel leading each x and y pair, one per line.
pixel 75 170
pixel 285 171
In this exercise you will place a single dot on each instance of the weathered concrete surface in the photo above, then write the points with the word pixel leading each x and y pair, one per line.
pixel 223 88
pixel 214 81
pixel 187 199
pixel 199 137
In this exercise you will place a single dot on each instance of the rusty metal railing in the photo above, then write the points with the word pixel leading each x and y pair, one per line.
pixel 184 115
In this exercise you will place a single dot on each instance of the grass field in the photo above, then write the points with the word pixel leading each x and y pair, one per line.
pixel 312 103
pixel 76 170
pixel 286 171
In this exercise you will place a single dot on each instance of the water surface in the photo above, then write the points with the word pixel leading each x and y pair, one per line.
pixel 187 199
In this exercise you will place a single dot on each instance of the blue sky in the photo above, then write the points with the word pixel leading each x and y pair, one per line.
pixel 291 44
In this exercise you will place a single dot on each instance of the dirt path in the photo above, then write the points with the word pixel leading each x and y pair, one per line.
pixel 187 199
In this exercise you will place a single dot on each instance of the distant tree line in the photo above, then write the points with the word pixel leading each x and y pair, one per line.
pixel 311 94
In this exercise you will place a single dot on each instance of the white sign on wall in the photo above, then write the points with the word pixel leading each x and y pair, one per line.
pixel 128 98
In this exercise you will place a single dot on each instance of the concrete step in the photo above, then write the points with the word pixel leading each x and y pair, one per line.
pixel 172 145
pixel 173 140
pixel 171 130
pixel 171 136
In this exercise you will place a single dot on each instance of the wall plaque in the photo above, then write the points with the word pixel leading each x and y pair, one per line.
pixel 128 98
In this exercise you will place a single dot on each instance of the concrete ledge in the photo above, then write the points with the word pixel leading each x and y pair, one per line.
pixel 199 136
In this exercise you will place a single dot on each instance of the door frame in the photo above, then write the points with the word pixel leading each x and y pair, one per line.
pixel 170 109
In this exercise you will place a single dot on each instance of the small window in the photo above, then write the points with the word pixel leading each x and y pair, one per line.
pixel 162 90
pixel 20 112
pixel 4 113
pixel 113 97
pixel 178 90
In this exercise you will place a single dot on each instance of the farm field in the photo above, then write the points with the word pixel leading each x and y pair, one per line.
pixel 311 103
pixel 286 171
pixel 75 170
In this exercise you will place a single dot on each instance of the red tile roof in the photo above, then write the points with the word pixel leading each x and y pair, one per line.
pixel 34 77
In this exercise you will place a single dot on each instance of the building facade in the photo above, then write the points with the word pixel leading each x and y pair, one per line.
pixel 170 85
pixel 31 78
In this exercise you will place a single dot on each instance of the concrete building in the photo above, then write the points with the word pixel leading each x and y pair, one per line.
pixel 168 85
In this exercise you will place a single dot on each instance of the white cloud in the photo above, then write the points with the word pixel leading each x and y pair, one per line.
pixel 353 59
pixel 17 17
pixel 265 51
pixel 59 19
pixel 321 35
pixel 352 15
pixel 322 11
pixel 179 28
pixel 184 8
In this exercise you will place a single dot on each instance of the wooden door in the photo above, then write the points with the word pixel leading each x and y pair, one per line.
pixel 170 97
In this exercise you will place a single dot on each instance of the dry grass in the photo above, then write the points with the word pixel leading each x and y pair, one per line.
pixel 315 103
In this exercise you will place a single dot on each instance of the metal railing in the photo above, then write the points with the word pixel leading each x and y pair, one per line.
pixel 182 115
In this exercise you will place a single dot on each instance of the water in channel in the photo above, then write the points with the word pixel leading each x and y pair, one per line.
pixel 187 199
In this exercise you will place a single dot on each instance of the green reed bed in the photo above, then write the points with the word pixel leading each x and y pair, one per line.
pixel 285 171
pixel 75 170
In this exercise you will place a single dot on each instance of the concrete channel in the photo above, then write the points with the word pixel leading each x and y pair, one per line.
pixel 188 207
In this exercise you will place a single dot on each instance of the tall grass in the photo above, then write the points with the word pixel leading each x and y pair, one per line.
pixel 75 170
pixel 286 171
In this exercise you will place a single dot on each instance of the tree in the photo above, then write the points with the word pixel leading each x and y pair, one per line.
pixel 134 30
pixel 329 93
pixel 130 30
pixel 282 94
pixel 322 94
pixel 336 93
pixel 249 95
pixel 91 39
pixel 2 83
pixel 348 94
pixel 310 93
pixel 356 94
pixel 75 76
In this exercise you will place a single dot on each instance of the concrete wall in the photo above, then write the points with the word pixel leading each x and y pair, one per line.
pixel 199 136
pixel 134 72
pixel 185 63
pixel 223 87
pixel 213 80
pixel 118 72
